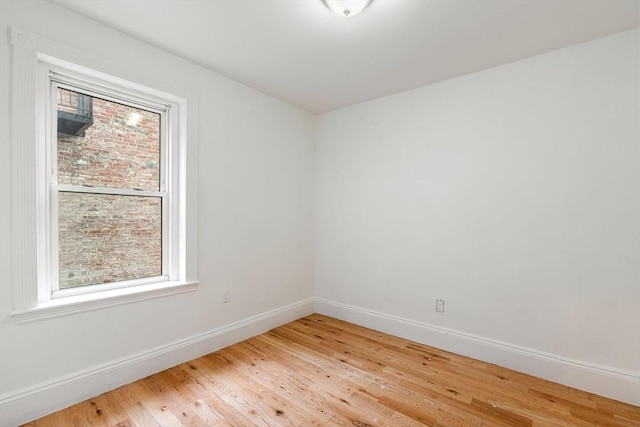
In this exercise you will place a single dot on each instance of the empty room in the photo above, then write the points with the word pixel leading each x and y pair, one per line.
pixel 320 212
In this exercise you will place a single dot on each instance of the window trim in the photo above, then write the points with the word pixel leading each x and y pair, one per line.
pixel 29 125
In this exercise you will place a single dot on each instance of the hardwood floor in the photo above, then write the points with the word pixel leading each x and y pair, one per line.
pixel 322 371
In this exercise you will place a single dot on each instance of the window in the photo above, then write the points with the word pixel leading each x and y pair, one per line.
pixel 108 190
pixel 108 223
pixel 109 195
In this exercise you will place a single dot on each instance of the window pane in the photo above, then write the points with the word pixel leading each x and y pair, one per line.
pixel 106 144
pixel 106 238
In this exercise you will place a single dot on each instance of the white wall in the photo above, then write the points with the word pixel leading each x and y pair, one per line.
pixel 514 195
pixel 255 211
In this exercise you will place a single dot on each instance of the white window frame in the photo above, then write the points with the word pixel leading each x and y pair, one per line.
pixel 58 77
pixel 36 75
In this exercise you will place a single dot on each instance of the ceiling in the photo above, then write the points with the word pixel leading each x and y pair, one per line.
pixel 302 53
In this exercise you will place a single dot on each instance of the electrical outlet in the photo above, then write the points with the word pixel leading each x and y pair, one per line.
pixel 440 305
pixel 226 297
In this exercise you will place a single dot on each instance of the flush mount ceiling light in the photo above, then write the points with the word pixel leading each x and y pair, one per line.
pixel 346 8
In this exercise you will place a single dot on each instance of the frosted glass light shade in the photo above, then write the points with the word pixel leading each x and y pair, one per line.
pixel 347 8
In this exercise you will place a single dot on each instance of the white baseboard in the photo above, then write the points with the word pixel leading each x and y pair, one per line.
pixel 33 402
pixel 613 383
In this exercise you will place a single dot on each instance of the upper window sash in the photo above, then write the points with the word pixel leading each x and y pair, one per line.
pixel 60 80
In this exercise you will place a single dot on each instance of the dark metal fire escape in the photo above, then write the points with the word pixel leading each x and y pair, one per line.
pixel 75 118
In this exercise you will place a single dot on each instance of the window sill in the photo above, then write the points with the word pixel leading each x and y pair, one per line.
pixel 94 301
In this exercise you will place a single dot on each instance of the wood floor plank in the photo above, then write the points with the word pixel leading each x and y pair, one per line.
pixel 319 371
pixel 201 384
pixel 136 412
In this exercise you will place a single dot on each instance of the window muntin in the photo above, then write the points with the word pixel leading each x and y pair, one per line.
pixel 110 205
